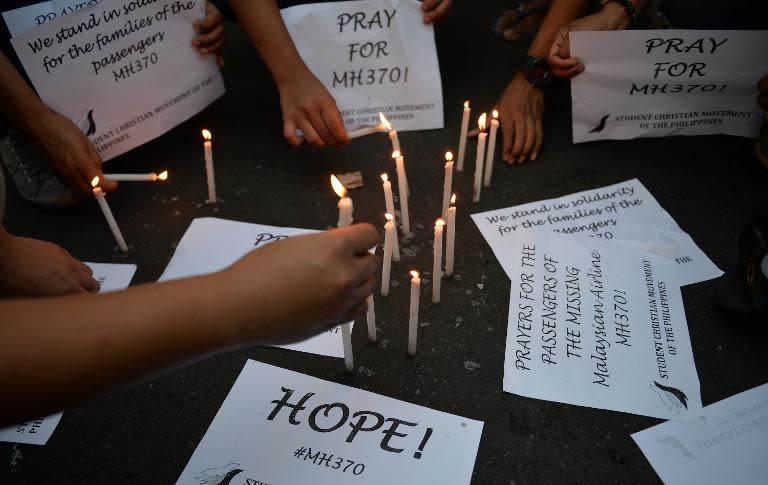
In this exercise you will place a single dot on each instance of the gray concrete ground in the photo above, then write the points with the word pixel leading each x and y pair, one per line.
pixel 146 433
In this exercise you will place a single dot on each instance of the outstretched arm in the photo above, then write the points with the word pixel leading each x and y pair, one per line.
pixel 58 351
pixel 305 102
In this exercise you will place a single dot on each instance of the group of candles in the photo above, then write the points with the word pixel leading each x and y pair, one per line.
pixel 150 177
pixel 446 223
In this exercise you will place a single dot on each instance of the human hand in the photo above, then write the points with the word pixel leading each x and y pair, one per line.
pixel 435 10
pixel 612 16
pixel 299 287
pixel 30 267
pixel 308 106
pixel 762 98
pixel 521 118
pixel 69 153
pixel 210 31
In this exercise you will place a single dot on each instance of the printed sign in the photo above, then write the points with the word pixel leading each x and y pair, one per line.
pixel 124 71
pixel 281 427
pixel 649 83
pixel 598 324
pixel 373 56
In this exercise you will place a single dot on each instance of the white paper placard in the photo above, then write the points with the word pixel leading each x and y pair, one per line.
pixel 732 447
pixel 112 277
pixel 625 211
pixel 22 19
pixel 598 324
pixel 650 83
pixel 212 244
pixel 372 55
pixel 280 427
pixel 125 72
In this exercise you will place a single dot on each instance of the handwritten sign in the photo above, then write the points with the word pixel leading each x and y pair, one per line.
pixel 278 426
pixel 123 70
pixel 372 55
pixel 626 211
pixel 730 447
pixel 650 83
pixel 212 244
pixel 598 324
pixel 111 277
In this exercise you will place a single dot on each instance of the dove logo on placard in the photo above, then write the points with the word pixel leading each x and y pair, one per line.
pixel 601 125
pixel 86 123
pixel 673 398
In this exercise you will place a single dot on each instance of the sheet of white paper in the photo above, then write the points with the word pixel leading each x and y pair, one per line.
pixel 22 19
pixel 649 83
pixel 598 324
pixel 372 55
pixel 212 244
pixel 731 448
pixel 339 435
pixel 112 277
pixel 125 72
pixel 626 211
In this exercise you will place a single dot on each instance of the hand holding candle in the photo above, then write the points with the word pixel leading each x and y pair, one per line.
pixel 450 238
pixel 208 151
pixel 99 194
pixel 413 320
pixel 437 261
pixel 479 160
pixel 463 137
pixel 448 181
pixel 389 202
pixel 491 149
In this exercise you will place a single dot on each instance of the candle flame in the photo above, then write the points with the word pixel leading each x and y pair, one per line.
pixel 466 104
pixel 415 274
pixel 338 187
pixel 384 177
pixel 495 115
pixel 389 216
pixel 439 222
pixel 95 181
pixel 163 175
pixel 396 154
pixel 481 122
pixel 448 156
pixel 453 199
pixel 385 121
pixel 207 135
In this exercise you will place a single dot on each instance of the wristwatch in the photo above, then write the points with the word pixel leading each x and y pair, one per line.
pixel 537 70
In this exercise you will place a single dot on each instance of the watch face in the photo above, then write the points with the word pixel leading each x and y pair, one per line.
pixel 540 71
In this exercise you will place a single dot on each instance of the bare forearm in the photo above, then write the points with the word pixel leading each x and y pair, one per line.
pixel 20 104
pixel 266 30
pixel 60 350
pixel 561 13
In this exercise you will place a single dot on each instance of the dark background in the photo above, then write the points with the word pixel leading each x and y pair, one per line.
pixel 146 433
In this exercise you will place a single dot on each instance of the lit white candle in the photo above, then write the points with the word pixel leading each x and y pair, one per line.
pixel 437 261
pixel 136 177
pixel 479 160
pixel 367 130
pixel 389 201
pixel 450 237
pixel 345 203
pixel 392 132
pixel 448 181
pixel 345 219
pixel 413 321
pixel 111 222
pixel 491 149
pixel 386 268
pixel 463 137
pixel 208 149
pixel 371 319
pixel 403 190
